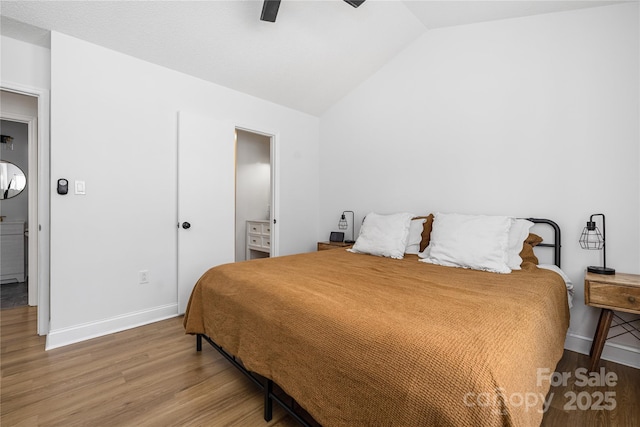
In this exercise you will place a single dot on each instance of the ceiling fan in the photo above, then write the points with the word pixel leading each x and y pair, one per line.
pixel 270 8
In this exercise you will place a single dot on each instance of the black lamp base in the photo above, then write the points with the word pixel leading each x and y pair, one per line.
pixel 601 270
pixel 349 241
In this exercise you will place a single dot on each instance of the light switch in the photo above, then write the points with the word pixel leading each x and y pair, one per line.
pixel 80 188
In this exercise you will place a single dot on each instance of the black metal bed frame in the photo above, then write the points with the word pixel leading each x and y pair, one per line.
pixel 267 385
pixel 556 245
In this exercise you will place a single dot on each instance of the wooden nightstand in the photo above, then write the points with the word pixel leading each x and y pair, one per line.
pixel 619 292
pixel 323 246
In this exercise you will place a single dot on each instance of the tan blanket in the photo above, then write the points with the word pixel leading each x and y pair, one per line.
pixel 360 340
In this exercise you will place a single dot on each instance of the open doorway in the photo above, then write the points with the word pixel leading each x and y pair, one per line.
pixel 14 214
pixel 18 199
pixel 255 193
pixel 30 106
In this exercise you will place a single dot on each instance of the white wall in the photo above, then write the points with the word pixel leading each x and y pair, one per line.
pixel 113 125
pixel 536 116
pixel 24 63
pixel 253 184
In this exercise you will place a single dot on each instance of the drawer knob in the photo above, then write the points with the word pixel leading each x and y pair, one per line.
pixel 632 299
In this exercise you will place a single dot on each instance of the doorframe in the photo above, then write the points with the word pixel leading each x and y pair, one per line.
pixel 275 184
pixel 32 194
pixel 39 201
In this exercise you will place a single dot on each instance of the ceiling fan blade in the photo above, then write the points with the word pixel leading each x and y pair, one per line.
pixel 270 10
pixel 355 3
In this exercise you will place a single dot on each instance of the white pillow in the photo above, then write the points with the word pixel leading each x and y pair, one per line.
pixel 383 235
pixel 415 236
pixel 478 242
pixel 517 234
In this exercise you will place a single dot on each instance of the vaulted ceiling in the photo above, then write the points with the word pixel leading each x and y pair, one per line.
pixel 313 55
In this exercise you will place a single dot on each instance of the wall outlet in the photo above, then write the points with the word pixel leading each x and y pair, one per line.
pixel 143 276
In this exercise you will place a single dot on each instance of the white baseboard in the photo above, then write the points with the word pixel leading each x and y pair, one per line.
pixel 65 336
pixel 613 352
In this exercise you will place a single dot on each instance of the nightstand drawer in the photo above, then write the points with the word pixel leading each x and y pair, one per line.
pixel 266 242
pixel 617 297
pixel 323 246
pixel 621 292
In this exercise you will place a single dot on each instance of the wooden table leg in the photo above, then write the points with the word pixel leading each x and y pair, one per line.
pixel 600 338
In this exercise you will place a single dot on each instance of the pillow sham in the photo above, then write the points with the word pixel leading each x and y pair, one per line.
pixel 478 242
pixel 533 239
pixel 517 234
pixel 426 232
pixel 416 229
pixel 527 253
pixel 383 235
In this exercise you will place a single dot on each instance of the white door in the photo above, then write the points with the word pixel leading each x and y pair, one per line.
pixel 206 211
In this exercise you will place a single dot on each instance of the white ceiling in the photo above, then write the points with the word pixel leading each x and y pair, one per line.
pixel 313 55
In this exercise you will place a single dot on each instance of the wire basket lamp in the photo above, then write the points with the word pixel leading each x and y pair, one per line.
pixel 343 224
pixel 592 239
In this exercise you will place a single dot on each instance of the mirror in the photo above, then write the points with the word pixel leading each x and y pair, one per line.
pixel 12 180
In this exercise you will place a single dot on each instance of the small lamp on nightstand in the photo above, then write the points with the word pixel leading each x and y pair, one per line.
pixel 592 239
pixel 343 224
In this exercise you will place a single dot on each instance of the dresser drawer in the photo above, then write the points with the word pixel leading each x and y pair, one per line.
pixel 254 240
pixel 258 238
pixel 254 228
pixel 614 296
pixel 266 229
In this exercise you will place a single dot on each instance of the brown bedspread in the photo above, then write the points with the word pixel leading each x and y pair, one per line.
pixel 360 340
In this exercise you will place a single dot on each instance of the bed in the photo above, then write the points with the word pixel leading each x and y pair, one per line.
pixel 357 339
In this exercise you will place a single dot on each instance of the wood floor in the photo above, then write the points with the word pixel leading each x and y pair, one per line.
pixel 148 376
pixel 152 376
pixel 626 395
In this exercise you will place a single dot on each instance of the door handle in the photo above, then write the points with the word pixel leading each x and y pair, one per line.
pixel 186 225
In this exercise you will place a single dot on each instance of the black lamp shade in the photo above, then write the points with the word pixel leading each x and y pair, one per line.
pixel 591 238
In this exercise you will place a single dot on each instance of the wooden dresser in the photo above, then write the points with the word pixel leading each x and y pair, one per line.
pixel 258 239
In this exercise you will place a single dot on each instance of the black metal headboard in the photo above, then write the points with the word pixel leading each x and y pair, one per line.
pixel 556 245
